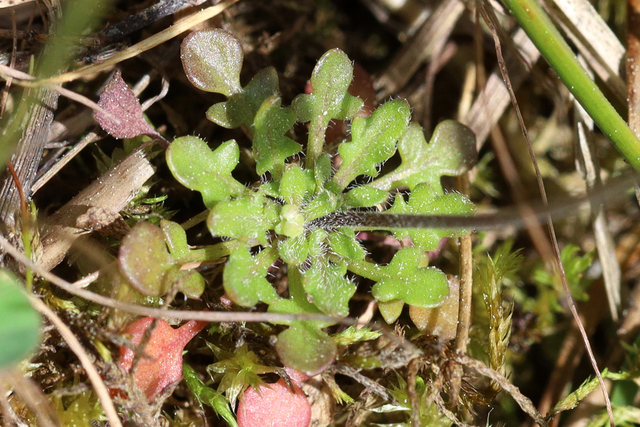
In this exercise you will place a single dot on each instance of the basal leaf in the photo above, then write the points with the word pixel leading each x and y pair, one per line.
pixel 270 145
pixel 195 166
pixel 176 238
pixel 144 259
pixel 306 348
pixel 425 200
pixel 373 141
pixel 245 277
pixel 296 185
pixel 122 103
pixel 328 287
pixel 242 106
pixel 364 197
pixel 405 280
pixel 330 99
pixel 243 219
pixel 451 152
pixel 212 61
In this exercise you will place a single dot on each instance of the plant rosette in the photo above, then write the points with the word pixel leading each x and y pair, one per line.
pixel 296 213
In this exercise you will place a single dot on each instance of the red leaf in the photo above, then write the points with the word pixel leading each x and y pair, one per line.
pixel 121 102
pixel 165 346
pixel 276 404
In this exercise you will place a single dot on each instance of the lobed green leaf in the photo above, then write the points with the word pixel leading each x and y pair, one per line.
pixel 373 141
pixel 270 145
pixel 197 167
pixel 451 152
pixel 404 279
pixel 245 277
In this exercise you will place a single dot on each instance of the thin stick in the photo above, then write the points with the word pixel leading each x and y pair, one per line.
pixel 207 316
pixel 556 261
pixel 87 364
pixel 149 43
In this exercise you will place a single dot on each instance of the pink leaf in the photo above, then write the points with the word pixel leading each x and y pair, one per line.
pixel 121 102
pixel 165 346
pixel 276 404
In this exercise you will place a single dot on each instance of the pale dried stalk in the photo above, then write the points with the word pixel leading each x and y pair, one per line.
pixel 111 191
pixel 138 48
pixel 419 48
pixel 94 376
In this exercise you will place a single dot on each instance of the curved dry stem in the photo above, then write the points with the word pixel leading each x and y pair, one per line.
pixel 138 48
pixel 523 401
pixel 87 364
pixel 207 316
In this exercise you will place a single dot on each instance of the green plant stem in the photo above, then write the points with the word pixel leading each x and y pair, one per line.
pixel 360 267
pixel 216 251
pixel 538 26
pixel 317 130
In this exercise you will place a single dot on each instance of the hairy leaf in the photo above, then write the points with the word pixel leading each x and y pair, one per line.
pixel 425 200
pixel 451 151
pixel 373 141
pixel 403 279
pixel 212 61
pixel 122 103
pixel 195 166
pixel 245 277
pixel 270 145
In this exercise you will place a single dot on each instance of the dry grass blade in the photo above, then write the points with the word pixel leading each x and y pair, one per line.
pixel 19 78
pixel 75 346
pixel 595 41
pixel 551 257
pixel 524 402
pixel 149 43
pixel 493 99
pixel 588 164
pixel 111 191
pixel 420 48
pixel 207 316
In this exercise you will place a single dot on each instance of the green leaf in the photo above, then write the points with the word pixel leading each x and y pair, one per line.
pixel 297 185
pixel 306 348
pixel 208 396
pixel 244 219
pixel 451 152
pixel 144 259
pixel 245 277
pixel 328 287
pixel 345 244
pixel 391 309
pixel 242 106
pixel 212 61
pixel 270 145
pixel 19 322
pixel 364 197
pixel 195 166
pixel 425 200
pixel 373 141
pixel 405 280
pixel 146 263
pixel 176 238
pixel 329 100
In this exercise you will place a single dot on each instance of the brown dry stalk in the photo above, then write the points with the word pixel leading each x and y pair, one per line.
pixel 74 344
pixel 552 240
